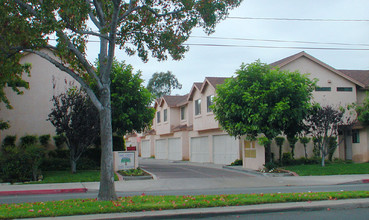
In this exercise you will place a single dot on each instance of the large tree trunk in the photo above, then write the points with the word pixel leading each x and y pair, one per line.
pixel 107 188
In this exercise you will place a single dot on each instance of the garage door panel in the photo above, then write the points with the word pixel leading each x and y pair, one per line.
pixel 161 151
pixel 174 149
pixel 145 148
pixel 200 150
pixel 225 149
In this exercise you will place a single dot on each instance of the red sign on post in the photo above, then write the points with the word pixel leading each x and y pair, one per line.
pixel 131 148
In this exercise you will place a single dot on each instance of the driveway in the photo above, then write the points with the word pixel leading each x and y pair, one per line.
pixel 164 169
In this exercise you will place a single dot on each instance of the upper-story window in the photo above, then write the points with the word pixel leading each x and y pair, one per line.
pixel 344 89
pixel 323 89
pixel 165 114
pixel 209 102
pixel 198 107
pixel 183 112
pixel 158 117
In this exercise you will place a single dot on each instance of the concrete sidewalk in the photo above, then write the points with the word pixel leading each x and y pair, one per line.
pixel 155 184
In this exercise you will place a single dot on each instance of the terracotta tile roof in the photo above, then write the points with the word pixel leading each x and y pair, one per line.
pixel 359 75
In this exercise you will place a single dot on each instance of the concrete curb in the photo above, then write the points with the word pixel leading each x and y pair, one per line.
pixel 42 191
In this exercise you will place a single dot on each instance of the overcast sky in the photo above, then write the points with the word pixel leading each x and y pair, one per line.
pixel 202 61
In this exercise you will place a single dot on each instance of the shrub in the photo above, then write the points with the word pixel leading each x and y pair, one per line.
pixel 237 162
pixel 59 141
pixel 19 164
pixel 28 140
pixel 55 164
pixel 118 143
pixel 287 158
pixel 87 164
pixel 44 140
pixel 35 155
pixel 9 140
pixel 270 166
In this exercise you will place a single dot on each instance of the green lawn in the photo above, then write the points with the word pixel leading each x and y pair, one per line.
pixel 68 177
pixel 330 169
pixel 151 203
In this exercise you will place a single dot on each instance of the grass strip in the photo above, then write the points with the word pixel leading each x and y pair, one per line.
pixel 330 169
pixel 152 203
pixel 68 177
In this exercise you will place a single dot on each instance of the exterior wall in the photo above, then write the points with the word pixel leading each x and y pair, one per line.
pixel 205 120
pixel 326 78
pixel 32 108
pixel 253 155
pixel 163 127
pixel 361 95
pixel 360 151
pixel 188 120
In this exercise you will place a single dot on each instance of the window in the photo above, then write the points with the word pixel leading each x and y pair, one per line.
pixel 158 117
pixel 165 114
pixel 183 113
pixel 323 89
pixel 344 89
pixel 209 102
pixel 355 136
pixel 198 107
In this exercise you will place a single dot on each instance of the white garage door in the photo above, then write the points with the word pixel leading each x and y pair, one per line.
pixel 226 149
pixel 174 149
pixel 200 150
pixel 145 148
pixel 161 149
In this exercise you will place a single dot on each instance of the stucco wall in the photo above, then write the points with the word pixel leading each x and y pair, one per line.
pixel 206 119
pixel 32 108
pixel 326 78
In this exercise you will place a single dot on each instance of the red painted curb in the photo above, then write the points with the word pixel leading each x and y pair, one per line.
pixel 43 191
pixel 365 180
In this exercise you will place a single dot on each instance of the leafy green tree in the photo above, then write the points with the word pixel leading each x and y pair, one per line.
pixel 262 100
pixel 130 100
pixel 279 141
pixel 158 27
pixel 162 84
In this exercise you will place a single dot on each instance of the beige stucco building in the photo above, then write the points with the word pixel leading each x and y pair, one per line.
pixel 30 110
pixel 184 127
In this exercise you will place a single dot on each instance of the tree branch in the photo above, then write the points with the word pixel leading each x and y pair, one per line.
pixel 92 16
pixel 27 7
pixel 63 68
pixel 100 12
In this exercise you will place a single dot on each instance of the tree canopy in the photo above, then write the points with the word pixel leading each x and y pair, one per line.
pixel 147 27
pixel 161 84
pixel 130 100
pixel 262 100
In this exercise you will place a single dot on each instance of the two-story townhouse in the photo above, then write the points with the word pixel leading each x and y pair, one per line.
pixel 335 88
pixel 206 142
pixel 169 137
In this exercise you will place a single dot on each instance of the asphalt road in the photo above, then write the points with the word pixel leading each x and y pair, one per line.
pixel 326 214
